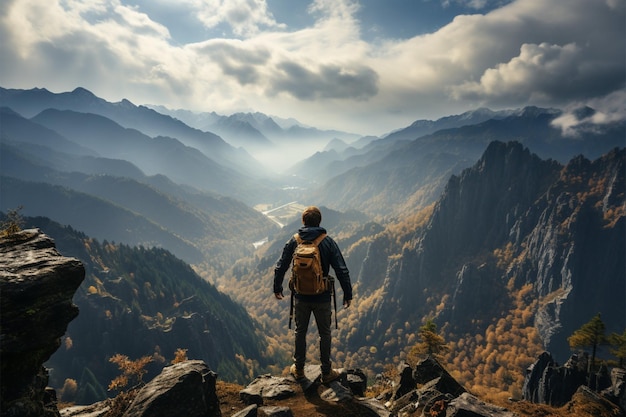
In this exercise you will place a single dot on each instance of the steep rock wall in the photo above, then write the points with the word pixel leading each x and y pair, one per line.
pixel 37 286
pixel 564 232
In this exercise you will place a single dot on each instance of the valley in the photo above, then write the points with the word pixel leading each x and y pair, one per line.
pixel 496 226
pixel 283 214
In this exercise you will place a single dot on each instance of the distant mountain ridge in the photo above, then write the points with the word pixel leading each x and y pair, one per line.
pixel 404 172
pixel 125 204
pixel 31 102
pixel 425 127
pixel 158 155
pixel 251 125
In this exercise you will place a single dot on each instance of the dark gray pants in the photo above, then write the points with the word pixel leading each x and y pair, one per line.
pixel 322 313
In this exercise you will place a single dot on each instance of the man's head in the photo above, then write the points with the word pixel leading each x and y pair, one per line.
pixel 311 216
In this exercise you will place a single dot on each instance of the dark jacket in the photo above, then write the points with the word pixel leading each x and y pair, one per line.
pixel 330 256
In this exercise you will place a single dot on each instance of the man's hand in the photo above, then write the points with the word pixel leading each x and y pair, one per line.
pixel 278 295
pixel 346 303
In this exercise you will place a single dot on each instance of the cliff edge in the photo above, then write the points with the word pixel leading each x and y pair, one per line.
pixel 37 284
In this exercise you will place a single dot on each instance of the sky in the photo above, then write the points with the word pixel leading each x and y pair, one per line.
pixel 366 67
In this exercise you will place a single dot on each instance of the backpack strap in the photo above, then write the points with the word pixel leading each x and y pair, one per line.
pixel 315 241
pixel 318 239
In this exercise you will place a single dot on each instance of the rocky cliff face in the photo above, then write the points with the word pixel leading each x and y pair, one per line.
pixel 511 220
pixel 548 383
pixel 37 285
pixel 571 245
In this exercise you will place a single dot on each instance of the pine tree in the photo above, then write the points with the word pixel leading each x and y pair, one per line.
pixel 432 344
pixel 590 335
pixel 618 342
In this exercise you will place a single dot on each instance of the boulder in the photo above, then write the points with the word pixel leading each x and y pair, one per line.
pixel 337 392
pixel 468 405
pixel 37 285
pixel 407 381
pixel 183 389
pixel 430 369
pixel 266 386
pixel 547 383
pixel 357 382
pixel 99 409
pixel 372 407
pixel 617 391
pixel 590 403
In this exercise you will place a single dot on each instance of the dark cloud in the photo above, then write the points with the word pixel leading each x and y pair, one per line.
pixel 235 61
pixel 328 82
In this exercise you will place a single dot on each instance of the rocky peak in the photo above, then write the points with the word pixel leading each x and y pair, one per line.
pixel 37 284
pixel 478 208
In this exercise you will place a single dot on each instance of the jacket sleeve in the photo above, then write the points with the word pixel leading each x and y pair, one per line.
pixel 283 264
pixel 341 270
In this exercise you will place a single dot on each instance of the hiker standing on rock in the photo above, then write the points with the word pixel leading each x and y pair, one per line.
pixel 306 300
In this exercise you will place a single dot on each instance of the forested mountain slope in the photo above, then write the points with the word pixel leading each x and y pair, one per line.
pixel 514 238
pixel 146 302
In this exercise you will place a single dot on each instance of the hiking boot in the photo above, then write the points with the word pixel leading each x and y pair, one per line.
pixel 330 376
pixel 297 373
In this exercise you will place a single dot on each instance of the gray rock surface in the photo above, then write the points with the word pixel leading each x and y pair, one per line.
pixel 183 389
pixel 547 383
pixel 37 285
pixel 267 386
pixel 468 405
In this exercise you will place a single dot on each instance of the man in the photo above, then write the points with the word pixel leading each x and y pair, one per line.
pixel 319 305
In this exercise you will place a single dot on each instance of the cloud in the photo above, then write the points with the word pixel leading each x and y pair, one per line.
pixel 475 4
pixel 235 59
pixel 245 17
pixel 606 110
pixel 140 23
pixel 317 63
pixel 540 73
pixel 528 52
pixel 324 82
pixel 540 52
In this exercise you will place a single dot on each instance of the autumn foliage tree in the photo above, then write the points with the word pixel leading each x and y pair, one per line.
pixel 180 356
pixel 13 223
pixel 133 371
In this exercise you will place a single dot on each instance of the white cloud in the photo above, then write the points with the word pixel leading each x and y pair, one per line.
pixel 245 17
pixel 608 109
pixel 542 52
pixel 539 74
pixel 140 23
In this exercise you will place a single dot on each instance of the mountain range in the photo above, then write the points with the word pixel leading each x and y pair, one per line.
pixel 493 224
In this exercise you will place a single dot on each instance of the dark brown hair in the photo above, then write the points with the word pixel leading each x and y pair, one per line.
pixel 311 216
